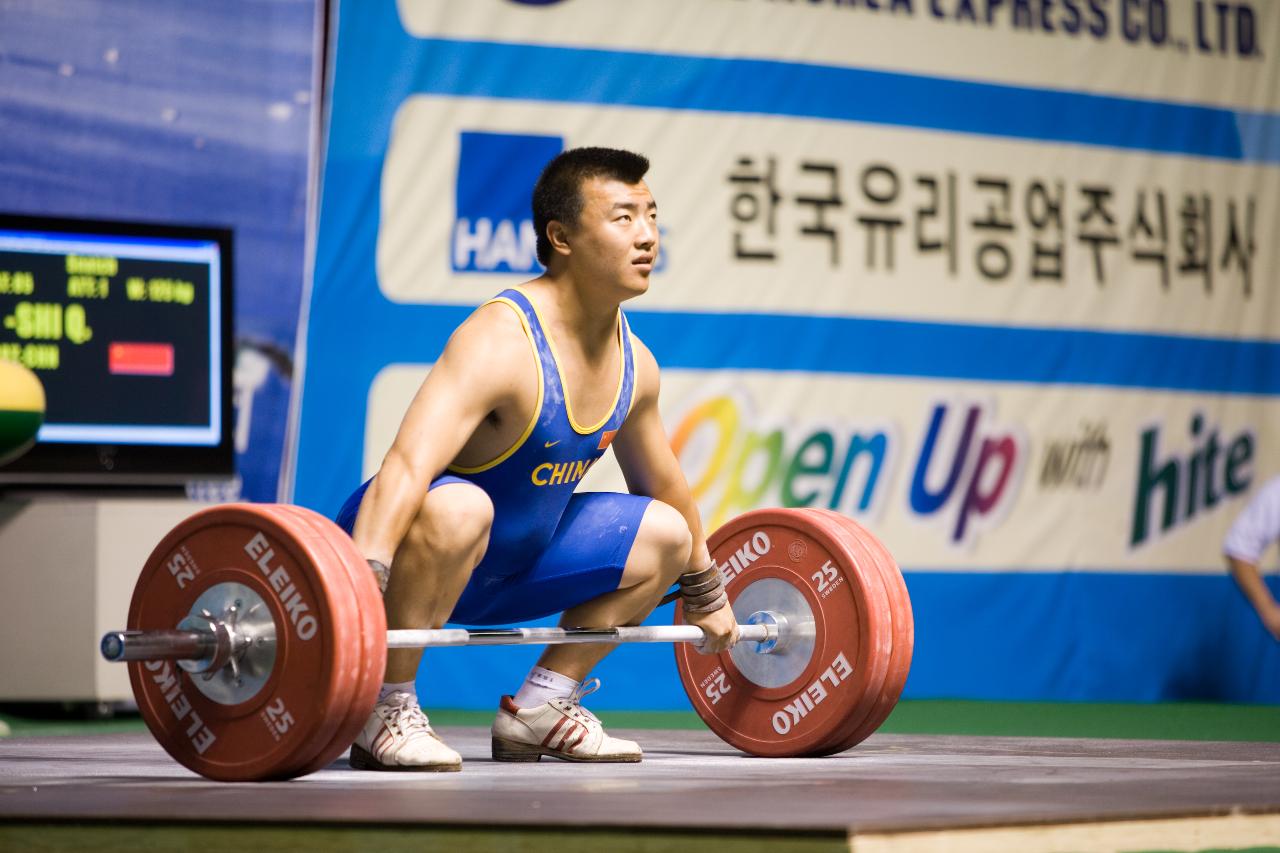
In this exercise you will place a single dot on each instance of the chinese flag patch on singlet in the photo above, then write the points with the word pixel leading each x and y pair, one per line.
pixel 605 438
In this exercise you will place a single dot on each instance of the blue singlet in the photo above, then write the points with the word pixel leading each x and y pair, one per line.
pixel 549 548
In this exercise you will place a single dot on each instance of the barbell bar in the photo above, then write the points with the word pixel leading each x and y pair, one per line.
pixel 765 628
pixel 279 637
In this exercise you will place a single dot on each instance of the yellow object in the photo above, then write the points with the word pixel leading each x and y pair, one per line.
pixel 21 410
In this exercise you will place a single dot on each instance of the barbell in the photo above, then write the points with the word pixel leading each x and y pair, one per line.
pixel 257 640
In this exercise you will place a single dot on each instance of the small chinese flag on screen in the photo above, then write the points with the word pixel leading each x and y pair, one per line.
pixel 605 438
pixel 135 359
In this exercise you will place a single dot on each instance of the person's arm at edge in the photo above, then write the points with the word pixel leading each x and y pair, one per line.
pixel 650 468
pixel 1249 579
pixel 469 380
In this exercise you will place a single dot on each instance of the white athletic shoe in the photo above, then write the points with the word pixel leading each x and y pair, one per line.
pixel 561 728
pixel 399 737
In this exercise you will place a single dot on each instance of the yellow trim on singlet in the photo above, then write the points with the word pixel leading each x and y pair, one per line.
pixel 555 357
pixel 537 409
pixel 635 376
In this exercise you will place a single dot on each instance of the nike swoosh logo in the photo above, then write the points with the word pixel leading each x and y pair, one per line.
pixel 552 443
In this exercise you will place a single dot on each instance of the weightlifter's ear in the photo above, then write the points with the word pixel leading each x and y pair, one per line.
pixel 558 236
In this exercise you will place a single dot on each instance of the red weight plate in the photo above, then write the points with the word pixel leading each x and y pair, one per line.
pixel 904 631
pixel 860 724
pixel 797 702
pixel 349 632
pixel 285 723
pixel 866 565
pixel 373 637
pixel 344 700
pixel 862 540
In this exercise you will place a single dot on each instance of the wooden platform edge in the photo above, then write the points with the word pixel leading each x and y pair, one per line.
pixel 1237 831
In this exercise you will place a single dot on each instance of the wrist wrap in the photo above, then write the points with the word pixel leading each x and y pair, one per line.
pixel 703 591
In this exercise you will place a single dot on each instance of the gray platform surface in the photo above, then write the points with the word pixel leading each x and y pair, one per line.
pixel 688 778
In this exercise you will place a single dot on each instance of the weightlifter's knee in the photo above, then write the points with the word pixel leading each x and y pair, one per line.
pixel 662 547
pixel 451 529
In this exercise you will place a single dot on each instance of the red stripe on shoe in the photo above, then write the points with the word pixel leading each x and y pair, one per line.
pixel 581 737
pixel 568 733
pixel 554 729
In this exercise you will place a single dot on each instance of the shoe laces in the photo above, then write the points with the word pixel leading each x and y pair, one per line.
pixel 404 712
pixel 586 688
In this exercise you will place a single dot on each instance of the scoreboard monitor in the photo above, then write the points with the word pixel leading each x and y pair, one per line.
pixel 129 328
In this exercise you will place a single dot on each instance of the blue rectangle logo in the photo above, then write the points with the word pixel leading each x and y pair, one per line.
pixel 493 226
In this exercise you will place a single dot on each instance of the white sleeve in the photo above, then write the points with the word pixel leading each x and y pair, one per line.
pixel 1256 527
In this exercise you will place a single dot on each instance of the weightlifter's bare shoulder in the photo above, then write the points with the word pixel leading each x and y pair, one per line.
pixel 484 377
pixel 489 357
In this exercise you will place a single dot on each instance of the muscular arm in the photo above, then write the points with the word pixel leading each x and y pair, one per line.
pixel 477 372
pixel 650 467
pixel 644 454
pixel 1250 581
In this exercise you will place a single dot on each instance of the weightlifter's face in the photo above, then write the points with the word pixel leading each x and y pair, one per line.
pixel 615 241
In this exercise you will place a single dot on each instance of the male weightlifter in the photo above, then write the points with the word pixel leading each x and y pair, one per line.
pixel 474 507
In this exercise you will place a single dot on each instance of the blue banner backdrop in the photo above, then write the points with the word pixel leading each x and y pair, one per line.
pixel 996 617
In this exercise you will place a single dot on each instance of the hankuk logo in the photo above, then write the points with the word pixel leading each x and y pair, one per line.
pixel 493 224
pixel 975 478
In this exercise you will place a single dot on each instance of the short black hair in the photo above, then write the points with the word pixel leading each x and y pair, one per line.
pixel 558 193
